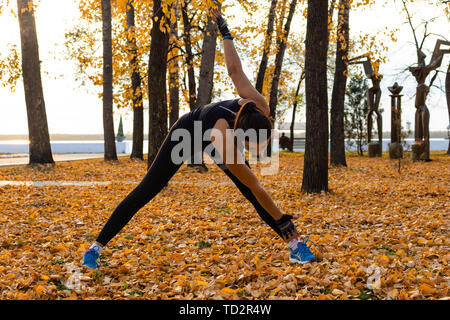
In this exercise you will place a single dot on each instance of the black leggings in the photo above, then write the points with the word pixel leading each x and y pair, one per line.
pixel 157 177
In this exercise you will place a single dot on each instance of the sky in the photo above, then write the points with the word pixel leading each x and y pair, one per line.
pixel 71 109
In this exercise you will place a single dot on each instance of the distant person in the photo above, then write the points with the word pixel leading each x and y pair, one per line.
pixel 285 142
pixel 250 111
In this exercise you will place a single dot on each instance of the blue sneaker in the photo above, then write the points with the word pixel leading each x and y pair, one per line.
pixel 90 259
pixel 302 254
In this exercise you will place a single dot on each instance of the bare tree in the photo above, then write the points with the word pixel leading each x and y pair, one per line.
pixel 281 44
pixel 108 120
pixel 40 148
pixel 157 91
pixel 266 50
pixel 294 109
pixel 337 135
pixel 206 79
pixel 315 172
pixel 174 72
pixel 187 27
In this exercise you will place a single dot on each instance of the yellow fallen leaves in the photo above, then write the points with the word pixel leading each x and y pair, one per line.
pixel 426 289
pixel 39 289
pixel 200 239
pixel 229 290
pixel 383 260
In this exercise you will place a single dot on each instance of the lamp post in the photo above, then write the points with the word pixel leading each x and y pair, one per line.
pixel 395 147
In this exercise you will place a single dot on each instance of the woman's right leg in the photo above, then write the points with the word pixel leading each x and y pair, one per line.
pixel 157 177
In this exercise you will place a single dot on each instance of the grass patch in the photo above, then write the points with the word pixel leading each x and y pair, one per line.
pixel 135 292
pixel 389 251
pixel 97 276
pixel 367 294
pixel 57 261
pixel 204 244
pixel 222 210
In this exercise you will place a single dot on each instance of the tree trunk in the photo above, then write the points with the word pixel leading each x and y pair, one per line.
pixel 137 151
pixel 39 148
pixel 279 61
pixel 330 14
pixel 205 83
pixel 273 98
pixel 174 93
pixel 189 57
pixel 279 22
pixel 206 79
pixel 294 110
pixel 337 135
pixel 157 83
pixel 315 172
pixel 447 93
pixel 174 75
pixel 266 51
pixel 108 121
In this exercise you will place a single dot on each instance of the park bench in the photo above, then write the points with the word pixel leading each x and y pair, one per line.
pixel 299 143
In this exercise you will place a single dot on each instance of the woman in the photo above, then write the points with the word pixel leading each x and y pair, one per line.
pixel 251 111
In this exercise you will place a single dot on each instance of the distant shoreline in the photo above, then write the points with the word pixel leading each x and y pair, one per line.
pixel 91 137
pixel 61 137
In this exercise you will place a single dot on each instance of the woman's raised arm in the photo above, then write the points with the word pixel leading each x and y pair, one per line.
pixel 234 67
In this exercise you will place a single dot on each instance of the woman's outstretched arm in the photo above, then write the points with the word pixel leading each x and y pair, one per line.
pixel 222 139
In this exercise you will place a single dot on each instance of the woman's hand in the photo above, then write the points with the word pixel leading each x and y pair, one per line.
pixel 221 24
pixel 287 228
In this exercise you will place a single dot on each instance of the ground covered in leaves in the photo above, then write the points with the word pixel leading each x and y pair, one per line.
pixel 381 234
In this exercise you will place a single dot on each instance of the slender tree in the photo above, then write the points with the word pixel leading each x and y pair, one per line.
pixel 40 148
pixel 294 109
pixel 206 79
pixel 187 27
pixel 330 14
pixel 267 42
pixel 174 71
pixel 281 43
pixel 355 112
pixel 137 151
pixel 337 135
pixel 108 121
pixel 174 92
pixel 315 172
pixel 157 91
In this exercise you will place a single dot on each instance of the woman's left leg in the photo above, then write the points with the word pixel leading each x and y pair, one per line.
pixel 157 177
